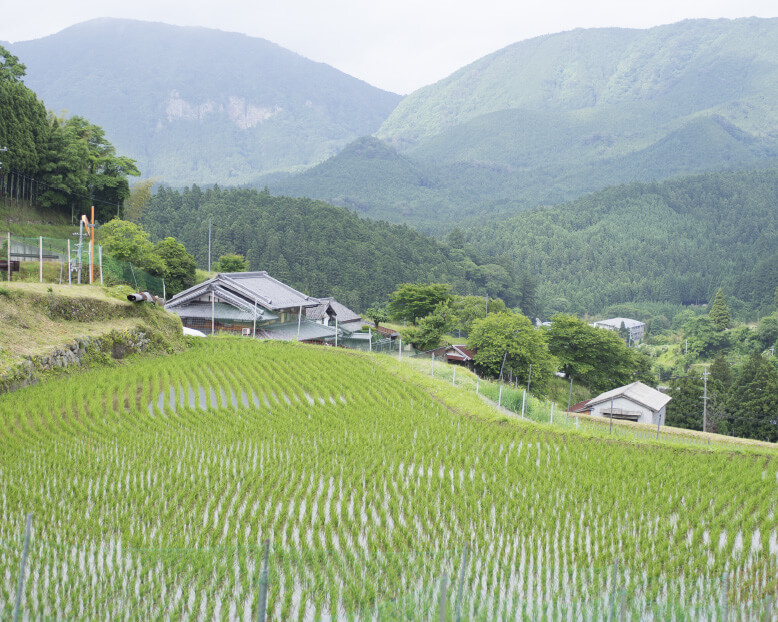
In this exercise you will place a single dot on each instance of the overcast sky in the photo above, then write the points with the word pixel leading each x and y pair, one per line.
pixel 397 45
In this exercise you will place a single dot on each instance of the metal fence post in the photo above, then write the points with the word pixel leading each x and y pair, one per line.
pixel 724 614
pixel 458 613
pixel 262 605
pixel 443 599
pixel 612 615
pixel 623 607
pixel 9 255
pixel 100 255
pixel 20 588
pixel 40 257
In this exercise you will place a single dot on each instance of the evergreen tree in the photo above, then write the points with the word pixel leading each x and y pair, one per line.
pixel 685 409
pixel 753 400
pixel 719 312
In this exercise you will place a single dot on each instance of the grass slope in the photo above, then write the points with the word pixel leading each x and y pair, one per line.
pixel 153 487
pixel 38 318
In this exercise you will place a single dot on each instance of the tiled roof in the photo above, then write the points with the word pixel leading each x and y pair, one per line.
pixel 271 292
pixel 222 311
pixel 341 311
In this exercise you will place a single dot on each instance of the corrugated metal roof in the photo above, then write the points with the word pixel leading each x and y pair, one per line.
pixel 637 392
pixel 616 322
pixel 309 331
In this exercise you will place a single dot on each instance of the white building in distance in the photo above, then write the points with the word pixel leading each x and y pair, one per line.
pixel 635 328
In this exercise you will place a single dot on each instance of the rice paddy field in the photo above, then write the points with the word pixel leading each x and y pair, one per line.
pixel 383 495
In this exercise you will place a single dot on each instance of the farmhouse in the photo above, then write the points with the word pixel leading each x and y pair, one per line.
pixel 634 327
pixel 256 304
pixel 634 402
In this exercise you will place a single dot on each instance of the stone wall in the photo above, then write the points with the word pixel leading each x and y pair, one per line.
pixel 83 351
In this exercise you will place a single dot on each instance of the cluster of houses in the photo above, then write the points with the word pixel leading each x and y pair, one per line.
pixel 254 304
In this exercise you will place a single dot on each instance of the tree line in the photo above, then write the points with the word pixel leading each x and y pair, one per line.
pixel 318 248
pixel 66 164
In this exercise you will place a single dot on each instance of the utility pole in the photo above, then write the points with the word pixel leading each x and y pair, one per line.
pixel 209 247
pixel 705 400
pixel 529 377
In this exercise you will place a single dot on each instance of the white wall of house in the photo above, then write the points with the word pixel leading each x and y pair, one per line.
pixel 624 404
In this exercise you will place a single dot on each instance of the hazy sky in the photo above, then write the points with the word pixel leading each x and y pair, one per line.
pixel 398 45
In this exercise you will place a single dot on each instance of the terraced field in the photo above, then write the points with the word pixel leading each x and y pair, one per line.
pixel 153 486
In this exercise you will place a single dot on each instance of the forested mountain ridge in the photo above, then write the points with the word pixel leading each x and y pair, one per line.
pixel 197 105
pixel 549 119
pixel 320 249
pixel 675 241
pixel 678 70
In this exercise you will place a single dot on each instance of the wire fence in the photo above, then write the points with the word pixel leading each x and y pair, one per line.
pixel 109 579
pixel 63 261
pixel 515 400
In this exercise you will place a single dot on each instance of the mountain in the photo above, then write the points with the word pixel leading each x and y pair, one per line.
pixel 551 118
pixel 201 105
pixel 675 241
pixel 318 248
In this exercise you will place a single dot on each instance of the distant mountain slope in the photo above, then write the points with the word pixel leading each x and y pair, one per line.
pixel 676 241
pixel 201 105
pixel 549 119
pixel 685 69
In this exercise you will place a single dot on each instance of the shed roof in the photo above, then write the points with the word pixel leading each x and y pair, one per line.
pixel 636 392
pixel 616 322
pixel 459 353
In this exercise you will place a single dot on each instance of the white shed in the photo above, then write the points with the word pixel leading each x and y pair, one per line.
pixel 633 402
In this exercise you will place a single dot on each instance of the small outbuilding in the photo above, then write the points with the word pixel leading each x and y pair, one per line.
pixel 634 402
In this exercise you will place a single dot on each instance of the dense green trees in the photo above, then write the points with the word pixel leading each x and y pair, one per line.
pixel 752 404
pixel 676 242
pixel 411 302
pixel 67 164
pixel 167 258
pixel 429 331
pixel 508 342
pixel 231 262
pixel 595 357
pixel 315 247
pixel 180 267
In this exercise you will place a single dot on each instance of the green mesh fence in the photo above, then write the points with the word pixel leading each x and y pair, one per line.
pixel 56 260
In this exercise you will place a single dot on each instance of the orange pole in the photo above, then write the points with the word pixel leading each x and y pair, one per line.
pixel 92 248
